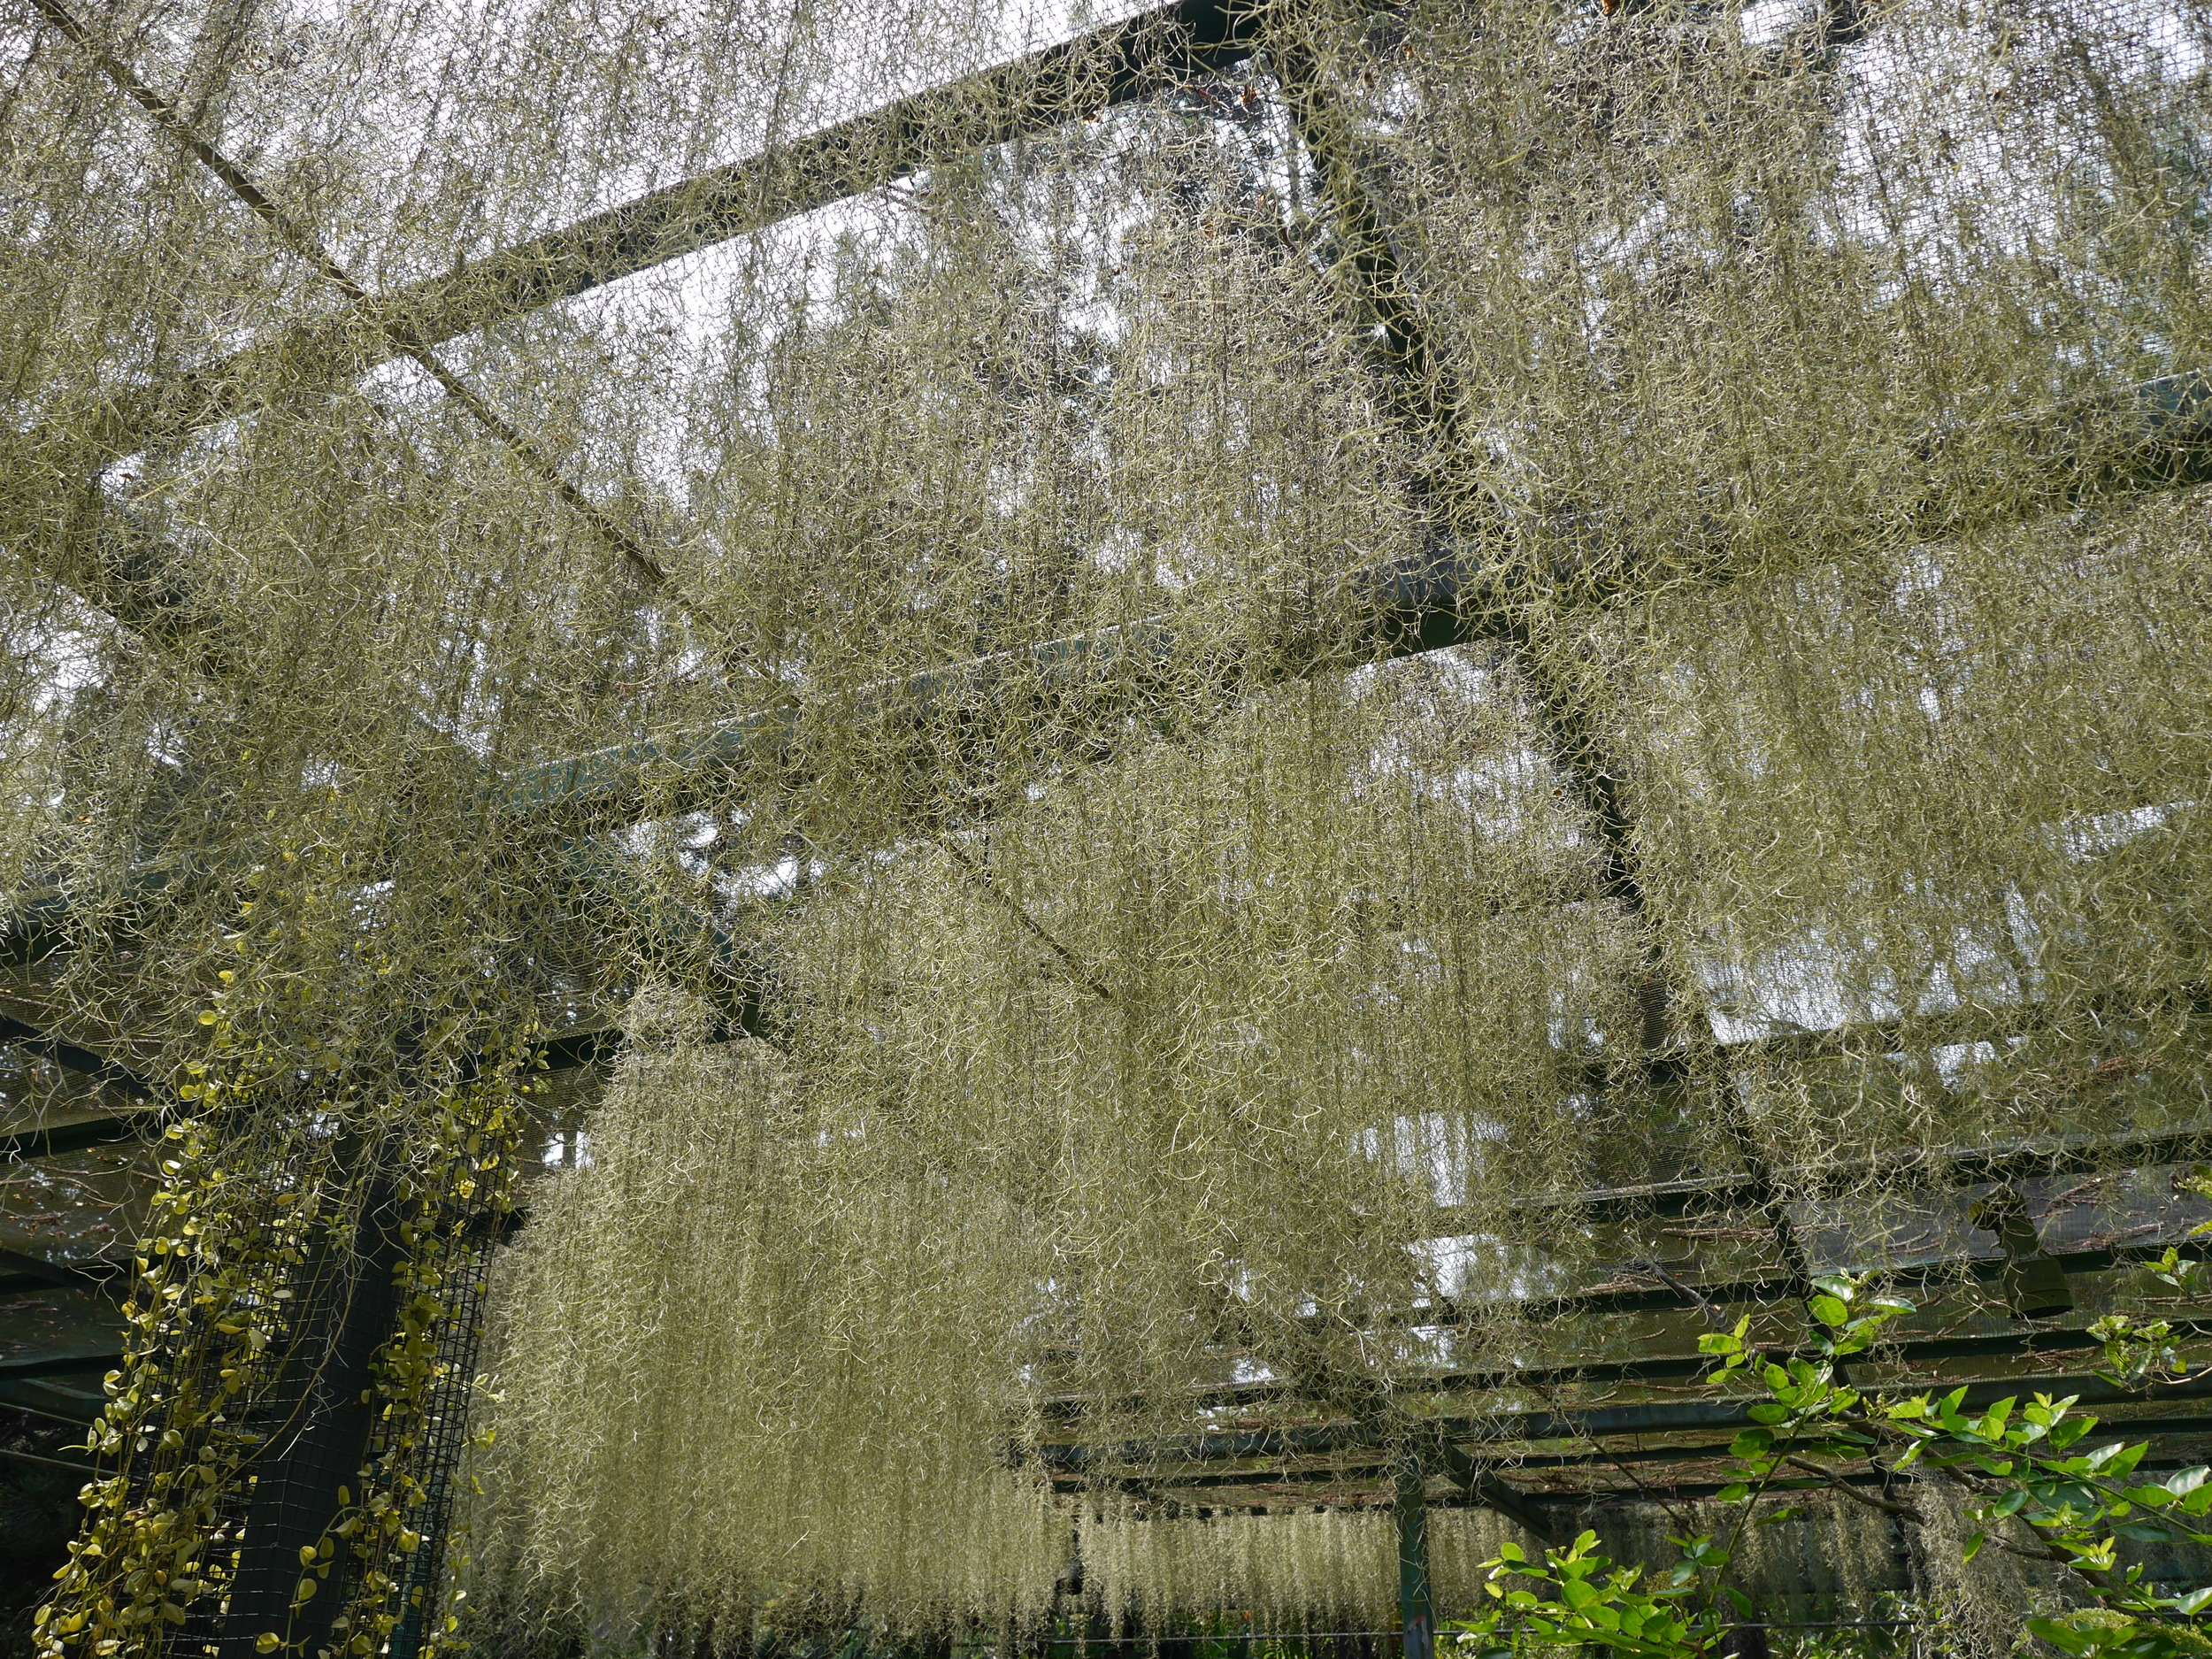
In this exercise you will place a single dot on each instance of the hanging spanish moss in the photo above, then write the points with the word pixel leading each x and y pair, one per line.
pixel 1007 819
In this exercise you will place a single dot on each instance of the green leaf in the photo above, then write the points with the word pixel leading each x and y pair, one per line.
pixel 1751 1443
pixel 1735 1492
pixel 2065 1638
pixel 2194 1602
pixel 1829 1310
pixel 1768 1411
pixel 1973 1546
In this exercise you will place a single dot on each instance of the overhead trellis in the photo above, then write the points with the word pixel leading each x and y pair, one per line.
pixel 1258 744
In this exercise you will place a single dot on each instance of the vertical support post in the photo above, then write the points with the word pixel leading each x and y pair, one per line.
pixel 1416 1609
pixel 1420 388
pixel 2034 1284
pixel 466 1263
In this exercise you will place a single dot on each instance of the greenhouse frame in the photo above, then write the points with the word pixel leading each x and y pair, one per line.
pixel 1292 827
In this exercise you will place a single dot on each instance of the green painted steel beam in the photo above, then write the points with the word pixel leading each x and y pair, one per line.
pixel 1110 65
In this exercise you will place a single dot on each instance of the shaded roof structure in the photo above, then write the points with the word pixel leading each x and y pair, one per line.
pixel 1021 819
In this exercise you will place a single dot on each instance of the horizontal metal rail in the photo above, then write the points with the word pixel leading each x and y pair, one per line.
pixel 1507 1428
pixel 1522 1465
pixel 86 1470
pixel 45 1400
pixel 70 1057
pixel 112 1130
pixel 1907 1351
pixel 77 1275
pixel 1774 1289
pixel 1546 1500
pixel 1915 1168
pixel 61 1364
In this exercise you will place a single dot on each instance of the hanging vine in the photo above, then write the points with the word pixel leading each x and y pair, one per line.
pixel 266 1188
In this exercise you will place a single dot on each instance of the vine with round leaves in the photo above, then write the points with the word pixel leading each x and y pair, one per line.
pixel 262 1189
pixel 466 1185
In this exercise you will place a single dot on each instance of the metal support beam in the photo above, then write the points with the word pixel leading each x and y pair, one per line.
pixel 60 1364
pixel 1500 1429
pixel 92 1275
pixel 1709 1450
pixel 1488 1488
pixel 1921 1356
pixel 70 1057
pixel 1104 66
pixel 77 1137
pixel 1907 1168
pixel 1416 1603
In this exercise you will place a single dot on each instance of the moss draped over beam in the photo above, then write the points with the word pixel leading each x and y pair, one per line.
pixel 2157 435
pixel 1928 1167
pixel 1406 608
pixel 1101 67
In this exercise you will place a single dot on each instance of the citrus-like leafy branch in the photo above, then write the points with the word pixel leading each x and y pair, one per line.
pixel 2024 1476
